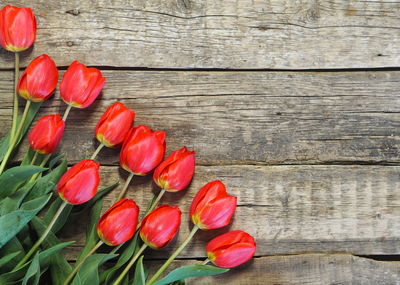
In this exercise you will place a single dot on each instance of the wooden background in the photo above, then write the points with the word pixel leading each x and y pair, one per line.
pixel 294 105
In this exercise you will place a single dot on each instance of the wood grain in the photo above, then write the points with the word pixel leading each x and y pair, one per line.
pixel 299 34
pixel 305 269
pixel 289 209
pixel 268 135
pixel 246 117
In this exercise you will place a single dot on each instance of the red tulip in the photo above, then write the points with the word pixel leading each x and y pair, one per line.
pixel 118 224
pixel 114 125
pixel 79 184
pixel 142 150
pixel 81 85
pixel 46 134
pixel 17 28
pixel 160 226
pixel 231 249
pixel 212 207
pixel 175 173
pixel 39 79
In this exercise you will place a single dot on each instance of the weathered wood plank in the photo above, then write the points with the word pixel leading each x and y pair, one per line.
pixel 304 269
pixel 289 209
pixel 233 34
pixel 247 117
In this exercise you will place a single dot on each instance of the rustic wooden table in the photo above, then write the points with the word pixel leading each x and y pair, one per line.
pixel 293 104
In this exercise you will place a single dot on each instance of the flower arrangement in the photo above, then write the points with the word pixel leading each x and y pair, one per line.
pixel 28 202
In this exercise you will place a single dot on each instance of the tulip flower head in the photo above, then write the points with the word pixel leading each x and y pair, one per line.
pixel 212 207
pixel 46 134
pixel 118 224
pixel 175 173
pixel 81 85
pixel 39 79
pixel 114 125
pixel 231 249
pixel 142 150
pixel 79 184
pixel 160 226
pixel 17 28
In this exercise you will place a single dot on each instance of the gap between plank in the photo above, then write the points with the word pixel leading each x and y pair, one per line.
pixel 190 69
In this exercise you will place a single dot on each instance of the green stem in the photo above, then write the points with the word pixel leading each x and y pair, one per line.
pixel 15 107
pixel 45 160
pixel 12 137
pixel 116 248
pixel 156 201
pixel 66 113
pixel 5 159
pixel 205 261
pixel 173 256
pixel 21 124
pixel 96 152
pixel 42 164
pixel 131 262
pixel 123 191
pixel 35 156
pixel 42 238
pixel 152 206
pixel 15 138
pixel 78 265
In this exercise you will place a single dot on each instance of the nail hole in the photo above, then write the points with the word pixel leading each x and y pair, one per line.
pixel 74 12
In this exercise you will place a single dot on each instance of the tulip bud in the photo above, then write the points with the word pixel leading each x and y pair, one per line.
pixel 175 173
pixel 142 150
pixel 231 249
pixel 212 207
pixel 79 184
pixel 46 134
pixel 160 226
pixel 17 28
pixel 114 125
pixel 39 79
pixel 81 85
pixel 118 224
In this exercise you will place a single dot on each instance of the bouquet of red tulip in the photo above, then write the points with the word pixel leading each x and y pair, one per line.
pixel 31 214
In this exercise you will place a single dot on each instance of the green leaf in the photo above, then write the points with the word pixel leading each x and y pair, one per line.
pixel 125 280
pixel 140 276
pixel 44 259
pixel 179 282
pixel 128 251
pixel 29 118
pixel 12 246
pixel 91 234
pixel 4 142
pixel 7 205
pixel 13 202
pixel 62 219
pixel 88 274
pixel 54 160
pixel 12 223
pixel 46 183
pixel 77 280
pixel 59 266
pixel 45 256
pixel 33 272
pixel 190 271
pixel 5 259
pixel 25 237
pixel 4 146
pixel 28 157
pixel 12 178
